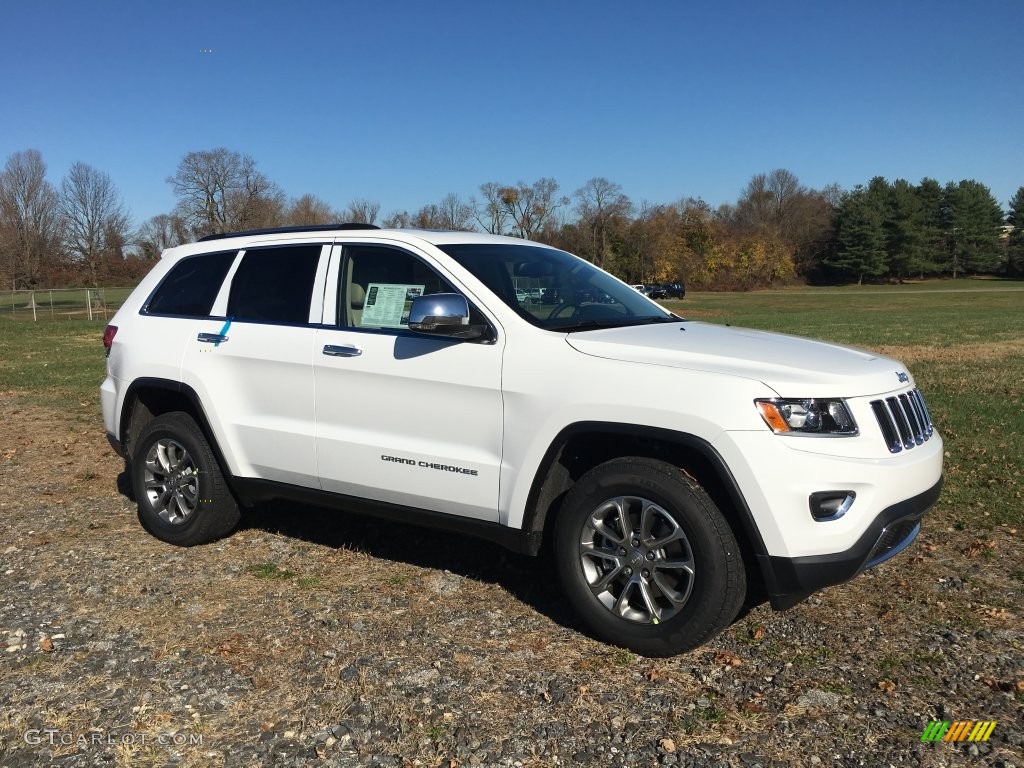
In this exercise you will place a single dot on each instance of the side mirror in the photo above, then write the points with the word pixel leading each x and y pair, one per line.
pixel 443 314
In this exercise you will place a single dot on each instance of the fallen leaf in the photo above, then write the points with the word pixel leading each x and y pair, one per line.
pixel 46 645
pixel 758 633
pixel 998 613
pixel 728 659
pixel 974 549
pixel 668 745
pixel 652 674
pixel 886 685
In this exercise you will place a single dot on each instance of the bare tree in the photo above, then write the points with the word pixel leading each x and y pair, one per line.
pixel 159 233
pixel 753 210
pixel 454 213
pixel 427 217
pixel 29 218
pixel 767 202
pixel 490 212
pixel 600 204
pixel 219 191
pixel 531 207
pixel 361 211
pixel 308 210
pixel 397 220
pixel 784 188
pixel 94 217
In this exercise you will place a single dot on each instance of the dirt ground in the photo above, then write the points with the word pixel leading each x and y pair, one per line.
pixel 315 637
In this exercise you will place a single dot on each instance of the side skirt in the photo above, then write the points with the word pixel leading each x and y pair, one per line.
pixel 527 543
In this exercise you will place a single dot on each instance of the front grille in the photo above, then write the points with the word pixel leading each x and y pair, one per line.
pixel 904 420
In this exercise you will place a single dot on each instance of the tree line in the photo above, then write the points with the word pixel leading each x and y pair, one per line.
pixel 778 231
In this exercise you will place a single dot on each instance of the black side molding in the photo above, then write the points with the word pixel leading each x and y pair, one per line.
pixel 514 539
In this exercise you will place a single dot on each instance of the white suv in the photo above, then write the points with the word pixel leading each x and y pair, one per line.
pixel 675 467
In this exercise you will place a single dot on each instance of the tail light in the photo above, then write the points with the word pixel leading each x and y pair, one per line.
pixel 108 337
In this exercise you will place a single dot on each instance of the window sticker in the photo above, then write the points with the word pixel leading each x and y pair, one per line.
pixel 387 304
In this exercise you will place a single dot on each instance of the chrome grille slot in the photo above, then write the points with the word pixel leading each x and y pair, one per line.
pixel 904 420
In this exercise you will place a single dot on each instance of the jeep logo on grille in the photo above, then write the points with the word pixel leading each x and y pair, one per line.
pixel 903 377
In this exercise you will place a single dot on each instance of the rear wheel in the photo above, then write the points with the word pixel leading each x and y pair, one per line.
pixel 647 558
pixel 178 484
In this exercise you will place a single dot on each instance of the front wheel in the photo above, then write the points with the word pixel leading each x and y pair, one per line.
pixel 178 484
pixel 647 559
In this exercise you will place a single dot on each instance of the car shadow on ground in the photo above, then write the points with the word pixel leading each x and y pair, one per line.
pixel 532 580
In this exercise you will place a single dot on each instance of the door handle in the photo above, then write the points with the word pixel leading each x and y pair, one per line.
pixel 212 338
pixel 342 350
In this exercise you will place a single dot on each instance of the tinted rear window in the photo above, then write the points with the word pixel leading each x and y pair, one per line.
pixel 192 285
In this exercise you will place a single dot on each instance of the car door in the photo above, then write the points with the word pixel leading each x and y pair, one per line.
pixel 403 417
pixel 252 364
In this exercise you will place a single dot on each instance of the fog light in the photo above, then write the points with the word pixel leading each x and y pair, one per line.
pixel 830 505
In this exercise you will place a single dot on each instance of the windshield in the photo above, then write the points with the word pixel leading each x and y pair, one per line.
pixel 555 290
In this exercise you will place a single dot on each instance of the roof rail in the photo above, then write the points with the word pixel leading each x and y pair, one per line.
pixel 283 230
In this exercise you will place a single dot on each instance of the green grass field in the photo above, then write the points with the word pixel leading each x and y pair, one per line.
pixel 963 341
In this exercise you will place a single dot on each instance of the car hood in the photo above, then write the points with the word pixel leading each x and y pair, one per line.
pixel 791 365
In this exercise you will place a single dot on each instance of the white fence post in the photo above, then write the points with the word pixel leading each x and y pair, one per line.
pixel 88 301
pixel 32 301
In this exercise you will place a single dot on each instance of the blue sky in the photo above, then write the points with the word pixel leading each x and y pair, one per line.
pixel 404 102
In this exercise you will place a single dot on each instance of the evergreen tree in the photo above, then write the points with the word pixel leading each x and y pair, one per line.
pixel 974 219
pixel 934 246
pixel 904 230
pixel 860 238
pixel 1015 244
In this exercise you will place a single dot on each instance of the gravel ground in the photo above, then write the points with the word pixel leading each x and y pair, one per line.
pixel 314 638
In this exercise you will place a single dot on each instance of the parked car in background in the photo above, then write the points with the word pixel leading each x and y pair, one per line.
pixel 665 291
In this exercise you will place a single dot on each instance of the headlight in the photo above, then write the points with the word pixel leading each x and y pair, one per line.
pixel 821 416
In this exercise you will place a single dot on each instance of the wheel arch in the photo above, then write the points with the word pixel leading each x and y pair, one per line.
pixel 147 398
pixel 581 446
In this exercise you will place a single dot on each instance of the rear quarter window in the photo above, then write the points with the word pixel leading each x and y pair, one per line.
pixel 191 286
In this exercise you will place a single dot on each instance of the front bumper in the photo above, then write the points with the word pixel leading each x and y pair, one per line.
pixel 790 580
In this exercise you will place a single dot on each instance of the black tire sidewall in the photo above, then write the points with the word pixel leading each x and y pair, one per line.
pixel 202 524
pixel 712 542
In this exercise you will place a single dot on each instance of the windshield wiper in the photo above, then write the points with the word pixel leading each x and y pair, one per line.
pixel 614 322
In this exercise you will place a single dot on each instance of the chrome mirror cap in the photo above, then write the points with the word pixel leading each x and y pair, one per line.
pixel 442 314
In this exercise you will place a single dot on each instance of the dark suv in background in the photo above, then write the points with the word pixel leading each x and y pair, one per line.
pixel 666 291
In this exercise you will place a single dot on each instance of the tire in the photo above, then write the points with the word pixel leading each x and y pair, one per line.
pixel 668 589
pixel 178 484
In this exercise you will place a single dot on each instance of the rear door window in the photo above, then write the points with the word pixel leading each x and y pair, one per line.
pixel 274 285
